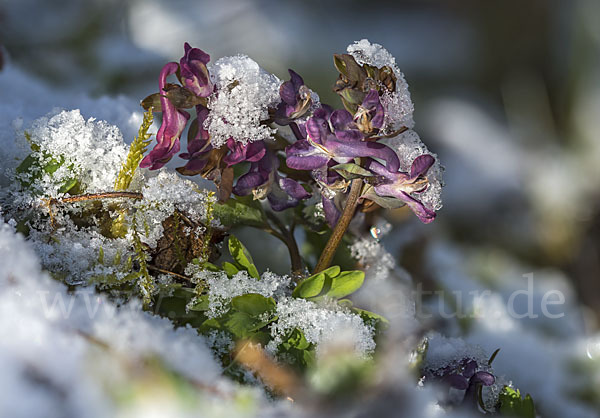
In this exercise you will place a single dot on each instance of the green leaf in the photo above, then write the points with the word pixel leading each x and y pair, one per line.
pixel 242 257
pixel 242 325
pixel 230 269
pixel 331 283
pixel 351 171
pixel 511 404
pixel 69 184
pixel 313 285
pixel 240 211
pixel 345 284
pixel 369 316
pixel 253 304
pixel 200 304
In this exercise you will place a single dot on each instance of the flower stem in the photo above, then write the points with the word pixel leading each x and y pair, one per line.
pixel 340 227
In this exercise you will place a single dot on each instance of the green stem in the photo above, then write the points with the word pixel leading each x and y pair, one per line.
pixel 341 226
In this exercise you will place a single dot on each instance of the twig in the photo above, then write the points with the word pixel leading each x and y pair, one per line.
pixel 96 196
pixel 287 237
pixel 341 226
pixel 170 273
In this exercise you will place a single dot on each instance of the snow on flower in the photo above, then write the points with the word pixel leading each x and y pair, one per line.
pixel 244 94
pixel 398 105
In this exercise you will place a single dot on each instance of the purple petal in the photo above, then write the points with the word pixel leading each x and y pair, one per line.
pixel 420 165
pixel 341 120
pixel 301 155
pixel 194 74
pixel 173 124
pixel 424 214
pixel 317 129
pixel 332 214
pixel 470 368
pixel 249 182
pixel 365 149
pixel 295 79
pixel 285 194
pixel 323 112
pixel 251 152
pixel 457 381
pixel 349 135
pixel 287 92
pixel 293 188
pixel 255 151
pixel 485 378
pixel 372 103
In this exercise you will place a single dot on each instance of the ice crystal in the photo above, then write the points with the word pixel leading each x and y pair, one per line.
pixel 408 146
pixel 244 94
pixel 398 105
pixel 322 325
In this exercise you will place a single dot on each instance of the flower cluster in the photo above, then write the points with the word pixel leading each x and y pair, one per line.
pixel 288 145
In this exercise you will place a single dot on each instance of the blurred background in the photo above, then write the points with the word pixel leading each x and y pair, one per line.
pixel 507 93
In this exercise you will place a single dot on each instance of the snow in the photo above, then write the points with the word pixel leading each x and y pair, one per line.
pixel 93 152
pixel 163 195
pixel 71 352
pixel 221 289
pixel 244 94
pixel 398 105
pixel 321 325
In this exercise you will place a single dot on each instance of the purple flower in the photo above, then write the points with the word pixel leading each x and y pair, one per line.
pixel 295 100
pixel 198 147
pixel 251 152
pixel 263 180
pixel 173 124
pixel 194 74
pixel 370 114
pixel 469 379
pixel 401 185
pixel 341 145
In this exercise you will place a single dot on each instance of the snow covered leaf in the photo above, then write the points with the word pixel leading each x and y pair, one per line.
pixel 242 257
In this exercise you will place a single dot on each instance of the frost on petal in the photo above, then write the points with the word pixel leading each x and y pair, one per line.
pixel 398 105
pixel 409 146
pixel 243 96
